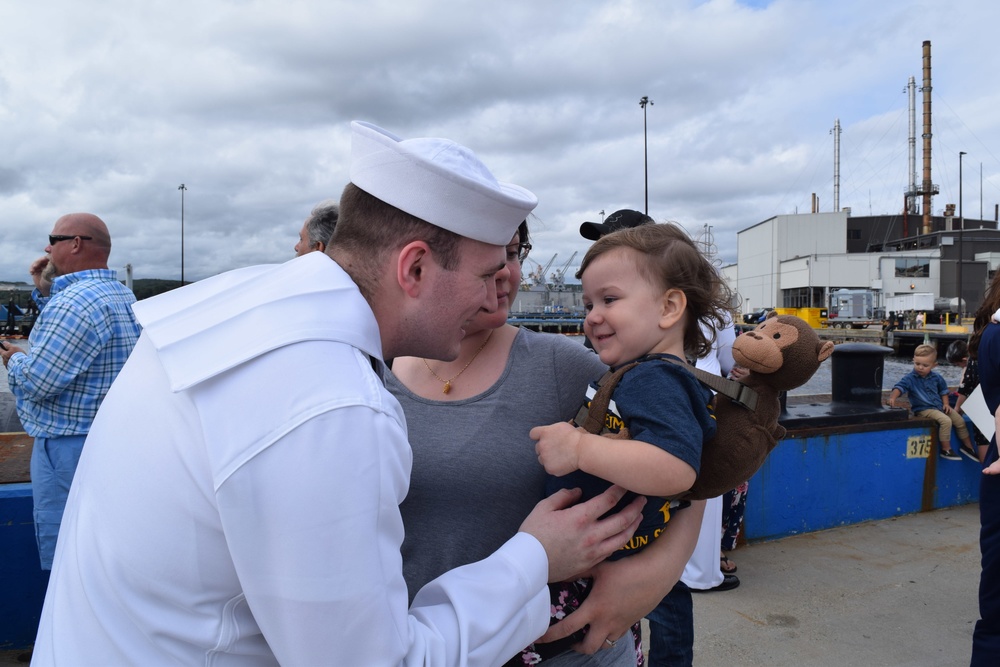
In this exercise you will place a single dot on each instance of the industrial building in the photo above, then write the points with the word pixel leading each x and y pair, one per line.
pixel 796 261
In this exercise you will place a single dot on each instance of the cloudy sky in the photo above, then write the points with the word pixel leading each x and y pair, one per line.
pixel 108 106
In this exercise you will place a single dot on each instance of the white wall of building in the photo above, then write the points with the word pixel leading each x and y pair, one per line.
pixel 892 285
pixel 763 248
pixel 876 271
pixel 991 258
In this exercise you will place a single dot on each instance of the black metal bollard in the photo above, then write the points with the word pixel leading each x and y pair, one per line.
pixel 856 373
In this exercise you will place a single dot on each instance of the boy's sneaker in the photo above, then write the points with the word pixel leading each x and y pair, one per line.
pixel 950 455
pixel 965 449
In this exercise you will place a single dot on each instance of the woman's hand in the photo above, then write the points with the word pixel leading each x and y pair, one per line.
pixel 558 447
pixel 620 595
pixel 627 589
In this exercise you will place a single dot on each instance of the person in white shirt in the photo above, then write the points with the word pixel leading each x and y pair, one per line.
pixel 237 500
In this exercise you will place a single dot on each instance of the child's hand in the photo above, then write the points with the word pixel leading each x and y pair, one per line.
pixel 558 447
pixel 892 402
pixel 946 409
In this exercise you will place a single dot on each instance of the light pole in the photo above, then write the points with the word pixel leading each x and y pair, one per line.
pixel 182 188
pixel 961 236
pixel 645 153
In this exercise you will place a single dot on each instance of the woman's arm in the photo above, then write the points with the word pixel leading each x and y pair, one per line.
pixel 626 590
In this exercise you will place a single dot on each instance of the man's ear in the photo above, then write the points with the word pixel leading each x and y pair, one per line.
pixel 412 264
pixel 674 305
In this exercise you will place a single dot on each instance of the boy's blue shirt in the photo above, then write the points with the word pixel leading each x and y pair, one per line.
pixel 924 392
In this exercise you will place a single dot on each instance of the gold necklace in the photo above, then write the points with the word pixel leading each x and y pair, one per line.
pixel 447 383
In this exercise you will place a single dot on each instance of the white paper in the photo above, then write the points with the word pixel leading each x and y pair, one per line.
pixel 975 407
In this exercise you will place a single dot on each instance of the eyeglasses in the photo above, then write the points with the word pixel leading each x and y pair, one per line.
pixel 522 251
pixel 56 238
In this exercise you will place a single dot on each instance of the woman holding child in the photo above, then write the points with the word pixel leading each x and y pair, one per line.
pixel 476 473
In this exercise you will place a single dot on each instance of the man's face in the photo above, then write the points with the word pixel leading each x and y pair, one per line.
pixel 60 251
pixel 924 365
pixel 304 245
pixel 507 281
pixel 454 297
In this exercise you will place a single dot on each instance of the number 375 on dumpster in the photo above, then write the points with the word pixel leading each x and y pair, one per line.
pixel 918 446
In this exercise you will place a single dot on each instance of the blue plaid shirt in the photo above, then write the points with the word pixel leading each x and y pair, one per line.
pixel 79 343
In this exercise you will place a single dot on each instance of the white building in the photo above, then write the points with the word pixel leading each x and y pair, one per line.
pixel 795 261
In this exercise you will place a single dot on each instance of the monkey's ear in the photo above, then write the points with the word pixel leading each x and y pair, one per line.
pixel 825 350
pixel 770 314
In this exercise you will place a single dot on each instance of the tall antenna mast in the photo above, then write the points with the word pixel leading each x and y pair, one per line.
pixel 836 165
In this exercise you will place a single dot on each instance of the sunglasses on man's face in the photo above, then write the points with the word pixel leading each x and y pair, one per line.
pixel 56 238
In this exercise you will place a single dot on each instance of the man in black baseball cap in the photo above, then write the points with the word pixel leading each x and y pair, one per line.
pixel 622 219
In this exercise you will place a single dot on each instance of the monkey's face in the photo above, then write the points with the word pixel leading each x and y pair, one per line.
pixel 784 349
pixel 762 349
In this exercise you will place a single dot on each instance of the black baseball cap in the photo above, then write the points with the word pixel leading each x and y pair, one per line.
pixel 622 219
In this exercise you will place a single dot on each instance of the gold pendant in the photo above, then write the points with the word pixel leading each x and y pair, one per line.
pixel 447 387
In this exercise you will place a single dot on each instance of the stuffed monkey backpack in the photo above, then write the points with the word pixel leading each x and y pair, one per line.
pixel 781 353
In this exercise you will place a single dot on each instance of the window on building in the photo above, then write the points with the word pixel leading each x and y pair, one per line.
pixel 854 234
pixel 802 297
pixel 913 268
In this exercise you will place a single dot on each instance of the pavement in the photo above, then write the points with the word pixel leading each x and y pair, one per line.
pixel 900 592
pixel 895 593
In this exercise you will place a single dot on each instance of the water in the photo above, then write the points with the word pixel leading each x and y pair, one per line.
pixel 895 367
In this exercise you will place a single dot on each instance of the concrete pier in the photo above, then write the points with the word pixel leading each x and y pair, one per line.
pixel 898 592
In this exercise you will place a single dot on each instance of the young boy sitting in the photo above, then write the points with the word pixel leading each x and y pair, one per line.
pixel 928 394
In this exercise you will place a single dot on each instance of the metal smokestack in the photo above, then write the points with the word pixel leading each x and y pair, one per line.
pixel 911 201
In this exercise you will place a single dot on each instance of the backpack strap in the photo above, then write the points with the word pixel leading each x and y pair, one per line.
pixel 737 391
pixel 592 417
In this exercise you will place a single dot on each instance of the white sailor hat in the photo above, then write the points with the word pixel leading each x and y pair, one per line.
pixel 438 181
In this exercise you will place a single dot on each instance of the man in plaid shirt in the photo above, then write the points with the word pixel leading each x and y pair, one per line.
pixel 79 342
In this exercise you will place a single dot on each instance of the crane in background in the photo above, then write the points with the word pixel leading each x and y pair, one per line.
pixel 538 275
pixel 558 277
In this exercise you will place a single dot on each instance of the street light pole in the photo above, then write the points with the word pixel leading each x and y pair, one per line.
pixel 645 152
pixel 961 236
pixel 182 188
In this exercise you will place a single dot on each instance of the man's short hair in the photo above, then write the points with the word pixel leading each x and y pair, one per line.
pixel 369 229
pixel 322 222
